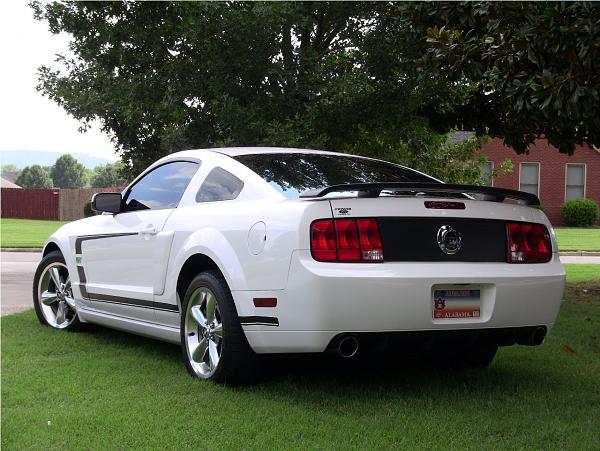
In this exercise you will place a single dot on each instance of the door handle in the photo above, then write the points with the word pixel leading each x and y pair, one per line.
pixel 149 231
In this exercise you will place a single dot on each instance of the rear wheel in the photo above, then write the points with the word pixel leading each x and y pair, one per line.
pixel 52 294
pixel 213 343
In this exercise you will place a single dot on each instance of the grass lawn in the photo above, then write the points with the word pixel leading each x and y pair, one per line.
pixel 578 239
pixel 111 390
pixel 577 273
pixel 26 232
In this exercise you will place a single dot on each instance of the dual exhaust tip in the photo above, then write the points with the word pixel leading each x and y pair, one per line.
pixel 347 346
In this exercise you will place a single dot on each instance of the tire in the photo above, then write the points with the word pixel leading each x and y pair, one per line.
pixel 54 305
pixel 214 345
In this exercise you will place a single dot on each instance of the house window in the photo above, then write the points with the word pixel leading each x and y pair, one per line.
pixel 529 178
pixel 575 181
pixel 487 169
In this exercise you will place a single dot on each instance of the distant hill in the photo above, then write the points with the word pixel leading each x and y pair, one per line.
pixel 22 158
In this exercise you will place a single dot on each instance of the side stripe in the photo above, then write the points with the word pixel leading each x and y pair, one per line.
pixel 108 298
pixel 81 239
pixel 259 320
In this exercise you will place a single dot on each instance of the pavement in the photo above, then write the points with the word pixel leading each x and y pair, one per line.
pixel 16 275
pixel 17 270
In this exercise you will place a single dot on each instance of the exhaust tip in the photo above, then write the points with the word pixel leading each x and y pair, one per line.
pixel 348 347
pixel 538 336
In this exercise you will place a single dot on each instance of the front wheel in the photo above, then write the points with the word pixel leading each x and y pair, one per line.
pixel 52 294
pixel 213 343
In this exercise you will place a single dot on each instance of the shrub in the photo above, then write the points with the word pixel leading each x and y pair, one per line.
pixel 87 209
pixel 580 213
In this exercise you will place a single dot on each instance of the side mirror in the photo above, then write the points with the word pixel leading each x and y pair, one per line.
pixel 107 202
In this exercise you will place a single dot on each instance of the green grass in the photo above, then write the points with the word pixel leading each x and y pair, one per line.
pixel 26 232
pixel 578 239
pixel 104 389
pixel 577 273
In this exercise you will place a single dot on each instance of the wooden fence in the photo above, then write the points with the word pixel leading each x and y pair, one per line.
pixel 30 203
pixel 49 204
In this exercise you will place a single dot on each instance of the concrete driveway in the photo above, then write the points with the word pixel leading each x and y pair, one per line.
pixel 17 269
pixel 16 273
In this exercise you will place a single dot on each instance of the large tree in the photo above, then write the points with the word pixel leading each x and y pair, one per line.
pixel 34 177
pixel 166 76
pixel 529 69
pixel 67 172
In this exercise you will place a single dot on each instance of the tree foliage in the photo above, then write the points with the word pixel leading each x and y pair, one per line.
pixel 67 172
pixel 107 175
pixel 167 76
pixel 34 177
pixel 364 77
pixel 530 69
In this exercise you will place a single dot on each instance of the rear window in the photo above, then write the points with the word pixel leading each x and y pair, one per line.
pixel 293 173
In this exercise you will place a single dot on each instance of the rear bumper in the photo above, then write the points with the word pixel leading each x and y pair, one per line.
pixel 324 300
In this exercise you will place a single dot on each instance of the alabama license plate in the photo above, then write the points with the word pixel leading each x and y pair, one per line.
pixel 450 304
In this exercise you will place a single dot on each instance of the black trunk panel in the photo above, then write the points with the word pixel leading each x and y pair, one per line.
pixel 415 239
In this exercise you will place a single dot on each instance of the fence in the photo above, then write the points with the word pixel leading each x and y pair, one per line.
pixel 49 204
pixel 30 203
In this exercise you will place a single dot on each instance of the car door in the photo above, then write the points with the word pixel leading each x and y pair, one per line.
pixel 125 262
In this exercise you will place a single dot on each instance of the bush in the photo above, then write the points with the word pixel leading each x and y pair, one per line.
pixel 580 213
pixel 87 209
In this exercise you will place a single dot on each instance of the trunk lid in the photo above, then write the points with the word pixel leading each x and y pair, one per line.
pixel 411 231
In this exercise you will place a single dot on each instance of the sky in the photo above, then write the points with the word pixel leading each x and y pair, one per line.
pixel 29 121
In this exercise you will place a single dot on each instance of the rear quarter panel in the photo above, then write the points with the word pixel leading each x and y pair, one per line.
pixel 221 230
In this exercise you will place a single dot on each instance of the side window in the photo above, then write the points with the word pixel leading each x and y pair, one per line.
pixel 161 188
pixel 219 185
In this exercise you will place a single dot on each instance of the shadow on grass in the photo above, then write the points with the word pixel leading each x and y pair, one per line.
pixel 409 372
pixel 305 378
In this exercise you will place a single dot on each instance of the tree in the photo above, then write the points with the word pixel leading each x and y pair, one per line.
pixel 529 69
pixel 67 172
pixel 162 77
pixel 34 177
pixel 108 175
pixel 9 168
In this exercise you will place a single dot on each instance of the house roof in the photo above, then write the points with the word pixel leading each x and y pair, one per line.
pixel 6 184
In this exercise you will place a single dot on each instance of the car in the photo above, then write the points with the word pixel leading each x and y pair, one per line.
pixel 237 252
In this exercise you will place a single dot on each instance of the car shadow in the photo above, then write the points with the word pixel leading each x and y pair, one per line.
pixel 301 376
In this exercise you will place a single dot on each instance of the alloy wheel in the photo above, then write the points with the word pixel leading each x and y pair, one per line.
pixel 203 332
pixel 55 296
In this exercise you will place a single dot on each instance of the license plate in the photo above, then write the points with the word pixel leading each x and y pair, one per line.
pixel 451 304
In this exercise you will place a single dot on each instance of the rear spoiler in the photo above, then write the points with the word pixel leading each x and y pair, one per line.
pixel 374 190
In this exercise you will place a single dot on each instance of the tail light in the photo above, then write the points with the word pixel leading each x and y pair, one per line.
pixel 346 240
pixel 528 243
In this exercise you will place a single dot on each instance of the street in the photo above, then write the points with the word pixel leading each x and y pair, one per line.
pixel 17 270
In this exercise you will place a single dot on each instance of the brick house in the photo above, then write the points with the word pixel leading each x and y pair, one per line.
pixel 553 176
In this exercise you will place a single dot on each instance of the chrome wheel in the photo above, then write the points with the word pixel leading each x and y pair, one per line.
pixel 203 332
pixel 55 296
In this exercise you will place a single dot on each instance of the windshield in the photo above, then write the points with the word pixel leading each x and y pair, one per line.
pixel 293 173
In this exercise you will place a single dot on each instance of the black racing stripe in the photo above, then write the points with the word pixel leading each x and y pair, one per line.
pixel 133 302
pixel 82 281
pixel 262 320
pixel 81 239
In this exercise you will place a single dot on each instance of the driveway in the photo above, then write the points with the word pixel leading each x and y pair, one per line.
pixel 16 273
pixel 17 269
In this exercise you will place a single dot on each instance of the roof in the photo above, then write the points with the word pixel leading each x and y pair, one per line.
pixel 7 184
pixel 236 151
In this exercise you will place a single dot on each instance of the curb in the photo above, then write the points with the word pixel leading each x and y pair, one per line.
pixel 21 249
pixel 579 254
